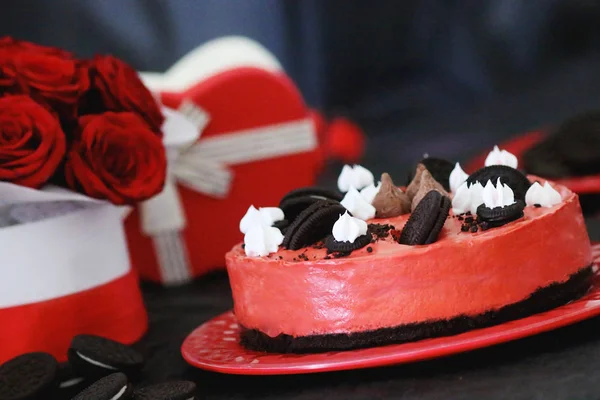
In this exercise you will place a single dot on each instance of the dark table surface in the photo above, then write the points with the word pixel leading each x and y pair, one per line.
pixel 562 364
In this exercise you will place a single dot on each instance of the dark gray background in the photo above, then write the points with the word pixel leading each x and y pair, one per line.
pixel 446 77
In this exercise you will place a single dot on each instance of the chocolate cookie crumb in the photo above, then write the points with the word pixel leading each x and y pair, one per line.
pixel 380 231
pixel 319 245
pixel 474 228
pixel 340 254
pixel 243 246
pixel 536 205
pixel 369 249
pixel 464 228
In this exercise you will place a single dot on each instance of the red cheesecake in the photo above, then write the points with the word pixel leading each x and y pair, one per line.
pixel 308 300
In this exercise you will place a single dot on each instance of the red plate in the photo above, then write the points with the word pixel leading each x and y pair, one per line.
pixel 214 345
pixel 589 184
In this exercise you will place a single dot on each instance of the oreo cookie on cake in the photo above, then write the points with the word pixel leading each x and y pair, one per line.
pixel 312 224
pixel 348 234
pixel 509 176
pixel 297 200
pixel 499 205
pixel 426 221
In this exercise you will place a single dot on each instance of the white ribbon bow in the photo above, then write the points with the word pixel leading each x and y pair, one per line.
pixel 204 166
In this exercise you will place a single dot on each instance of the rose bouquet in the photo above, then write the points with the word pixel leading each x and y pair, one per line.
pixel 78 139
pixel 89 125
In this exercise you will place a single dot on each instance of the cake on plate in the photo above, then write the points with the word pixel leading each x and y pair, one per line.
pixel 375 264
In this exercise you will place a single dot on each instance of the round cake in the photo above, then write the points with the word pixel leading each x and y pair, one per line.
pixel 339 275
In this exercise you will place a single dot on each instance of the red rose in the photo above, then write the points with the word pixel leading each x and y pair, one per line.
pixel 121 89
pixel 50 76
pixel 116 157
pixel 32 144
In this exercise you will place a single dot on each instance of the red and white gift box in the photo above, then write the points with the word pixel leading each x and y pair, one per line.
pixel 256 141
pixel 63 274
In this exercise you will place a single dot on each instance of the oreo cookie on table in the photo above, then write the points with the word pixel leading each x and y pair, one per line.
pixel 297 200
pixel 29 376
pixel 499 216
pixel 426 221
pixel 95 356
pixel 312 224
pixel 572 150
pixel 439 169
pixel 112 387
pixel 333 246
pixel 513 178
pixel 178 390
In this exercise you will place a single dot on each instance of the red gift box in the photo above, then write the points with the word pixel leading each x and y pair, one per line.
pixel 257 142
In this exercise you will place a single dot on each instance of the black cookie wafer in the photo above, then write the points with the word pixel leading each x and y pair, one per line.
pixel 439 169
pixel 112 387
pixel 499 216
pixel 178 390
pixel 298 200
pixel 426 222
pixel 281 225
pixel 313 224
pixel 346 247
pixel 508 175
pixel 322 193
pixel 93 356
pixel 29 376
pixel 439 223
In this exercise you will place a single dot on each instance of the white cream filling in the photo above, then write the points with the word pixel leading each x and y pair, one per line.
pixel 70 382
pixel 96 363
pixel 118 395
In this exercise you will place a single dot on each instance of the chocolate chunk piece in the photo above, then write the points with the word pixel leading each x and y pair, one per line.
pixel 426 185
pixel 390 201
pixel 439 169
